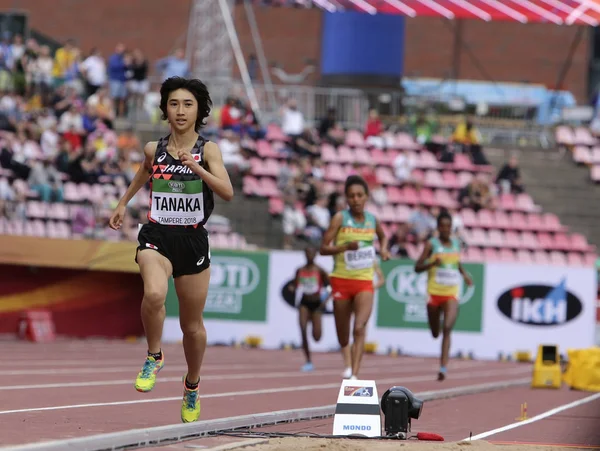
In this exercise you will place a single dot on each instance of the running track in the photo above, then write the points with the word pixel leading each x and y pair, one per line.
pixel 76 388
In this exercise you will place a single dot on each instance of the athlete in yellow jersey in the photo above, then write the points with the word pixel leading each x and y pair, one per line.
pixel 441 258
pixel 353 232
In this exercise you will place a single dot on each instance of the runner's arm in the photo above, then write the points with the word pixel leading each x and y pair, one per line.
pixel 465 274
pixel 420 265
pixel 383 241
pixel 324 276
pixel 216 177
pixel 334 226
pixel 380 276
pixel 142 175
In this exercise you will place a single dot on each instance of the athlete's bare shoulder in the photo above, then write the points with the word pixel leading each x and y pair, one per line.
pixel 150 149
pixel 211 148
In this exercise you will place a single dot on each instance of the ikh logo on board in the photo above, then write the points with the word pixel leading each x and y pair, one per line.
pixel 540 305
pixel 356 427
pixel 358 391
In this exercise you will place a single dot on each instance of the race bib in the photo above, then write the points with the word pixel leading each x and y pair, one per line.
pixel 447 277
pixel 309 286
pixel 177 202
pixel 362 258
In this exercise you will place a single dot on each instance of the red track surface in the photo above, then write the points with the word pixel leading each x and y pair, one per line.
pixel 102 374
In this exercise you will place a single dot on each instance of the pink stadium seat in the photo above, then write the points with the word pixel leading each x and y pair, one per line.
pixel 345 155
pixel 529 240
pixel 512 240
pixel 385 176
pixel 36 209
pixel 362 156
pixel 388 213
pixel 589 259
pixel 507 202
pixel 562 242
pixel 502 220
pixel 71 193
pixel 473 254
pixel 595 173
pixel 275 205
pixel 394 195
pixel 462 162
pixel 558 258
pixel 271 168
pixel 485 219
pixel 524 202
pixel 517 220
pixel 426 197
pixel 490 254
pixel 329 154
pixel 413 250
pixel 410 195
pixel 584 137
pixel 85 191
pixel 464 178
pixel 545 241
pixel 335 173
pixel 534 222
pixel 451 180
pixel 564 135
pixel 251 185
pixel 403 213
pixel 524 256
pixel 596 155
pixel 469 218
pixel 256 166
pixel 506 255
pixel 405 141
pixel 434 179
pixel 274 133
pixel 264 149
pixel 380 158
pixel 427 160
pixel 582 155
pixel 418 176
pixel 96 193
pixel 541 257
pixel 444 199
pixel 354 138
pixel 268 188
pixel 60 211
pixel 579 243
pixel 495 238
pixel 551 222
pixel 575 259
pixel 478 237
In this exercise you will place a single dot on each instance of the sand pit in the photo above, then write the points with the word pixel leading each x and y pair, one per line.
pixel 315 444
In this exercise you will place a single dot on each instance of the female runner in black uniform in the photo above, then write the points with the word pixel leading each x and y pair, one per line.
pixel 184 171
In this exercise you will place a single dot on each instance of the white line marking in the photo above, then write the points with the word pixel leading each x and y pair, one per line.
pixel 104 369
pixel 539 417
pixel 420 378
pixel 218 377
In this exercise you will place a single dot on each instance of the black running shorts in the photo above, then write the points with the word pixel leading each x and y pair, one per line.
pixel 186 248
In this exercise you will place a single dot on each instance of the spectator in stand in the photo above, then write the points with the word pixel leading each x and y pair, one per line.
pixel 232 152
pixel 306 145
pixel 398 241
pixel 93 70
pixel 468 137
pixel 49 142
pixel 117 78
pixel 509 177
pixel 317 218
pixel 292 119
pixel 138 84
pixel 403 167
pixel 71 121
pixel 103 106
pixel 46 181
pixel 174 65
pixel 293 221
pixel 477 194
pixel 64 58
pixel 329 130
pixel 374 126
pixel 40 74
pixel 231 115
pixel 421 223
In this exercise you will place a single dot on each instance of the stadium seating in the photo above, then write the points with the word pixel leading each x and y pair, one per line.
pixel 516 231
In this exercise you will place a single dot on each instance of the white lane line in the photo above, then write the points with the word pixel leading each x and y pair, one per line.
pixel 218 377
pixel 539 417
pixel 420 378
pixel 257 366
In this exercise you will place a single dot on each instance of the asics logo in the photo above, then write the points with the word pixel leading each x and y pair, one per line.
pixel 161 157
pixel 200 261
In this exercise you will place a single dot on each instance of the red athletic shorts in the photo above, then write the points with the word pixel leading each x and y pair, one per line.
pixel 438 301
pixel 346 289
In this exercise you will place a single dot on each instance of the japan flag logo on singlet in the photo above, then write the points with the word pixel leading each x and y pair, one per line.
pixel 196 157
